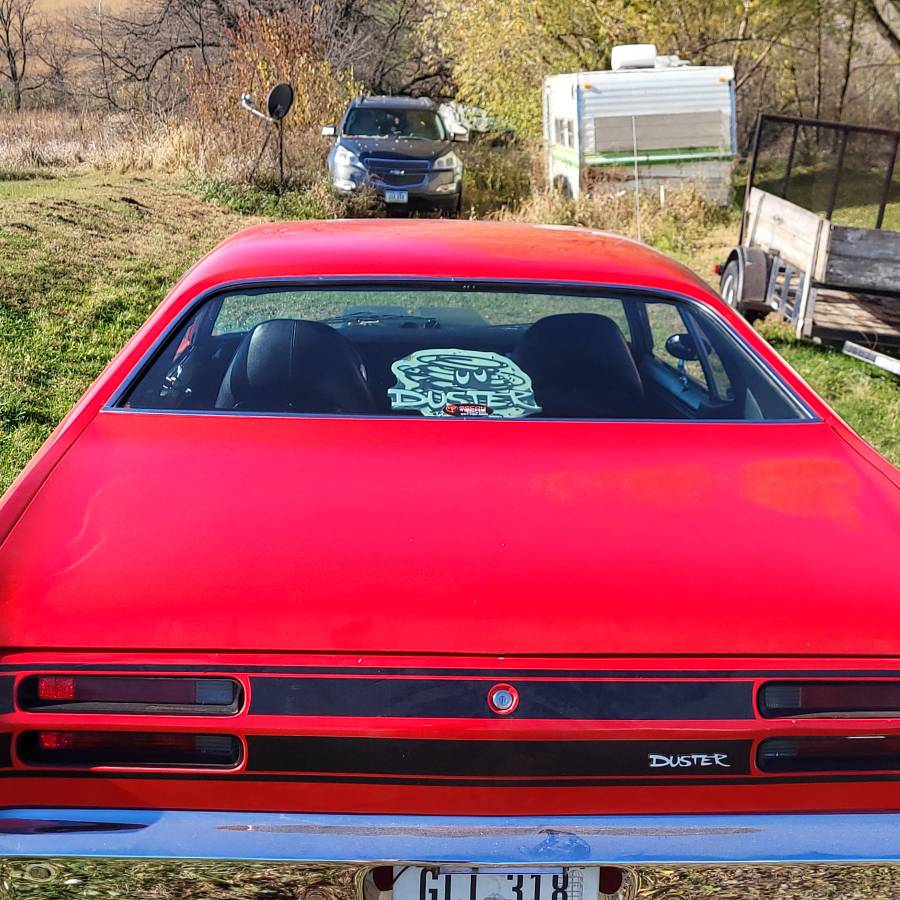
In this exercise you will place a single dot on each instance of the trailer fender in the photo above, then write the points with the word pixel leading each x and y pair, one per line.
pixel 745 278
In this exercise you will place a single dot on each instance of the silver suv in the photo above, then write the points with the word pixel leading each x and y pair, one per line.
pixel 401 147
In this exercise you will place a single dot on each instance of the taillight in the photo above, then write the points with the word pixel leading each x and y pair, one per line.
pixel 118 694
pixel 829 754
pixel 55 688
pixel 848 699
pixel 128 749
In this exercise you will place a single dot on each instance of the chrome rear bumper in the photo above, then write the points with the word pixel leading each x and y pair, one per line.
pixel 135 853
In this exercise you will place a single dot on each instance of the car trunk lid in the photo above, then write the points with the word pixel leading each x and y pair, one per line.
pixel 221 532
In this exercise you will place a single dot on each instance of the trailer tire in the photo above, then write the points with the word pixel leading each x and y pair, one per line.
pixel 744 282
pixel 730 284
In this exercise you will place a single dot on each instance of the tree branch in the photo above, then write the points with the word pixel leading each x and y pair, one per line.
pixel 885 29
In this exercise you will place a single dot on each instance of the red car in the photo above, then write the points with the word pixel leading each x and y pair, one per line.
pixel 452 560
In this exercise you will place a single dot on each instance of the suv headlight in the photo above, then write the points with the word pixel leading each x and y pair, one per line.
pixel 449 161
pixel 345 157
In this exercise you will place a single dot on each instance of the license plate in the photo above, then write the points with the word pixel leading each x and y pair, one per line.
pixel 396 196
pixel 520 883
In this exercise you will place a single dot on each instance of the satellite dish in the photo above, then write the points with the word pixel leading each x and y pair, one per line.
pixel 279 101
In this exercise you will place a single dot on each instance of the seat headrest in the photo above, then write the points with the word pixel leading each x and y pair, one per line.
pixel 580 366
pixel 291 365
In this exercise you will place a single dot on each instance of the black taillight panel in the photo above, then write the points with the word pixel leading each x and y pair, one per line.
pixel 830 699
pixel 129 749
pixel 830 754
pixel 131 695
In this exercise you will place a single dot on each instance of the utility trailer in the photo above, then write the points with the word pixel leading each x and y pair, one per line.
pixel 651 121
pixel 820 233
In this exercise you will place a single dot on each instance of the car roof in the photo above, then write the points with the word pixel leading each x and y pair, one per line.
pixel 442 249
pixel 387 101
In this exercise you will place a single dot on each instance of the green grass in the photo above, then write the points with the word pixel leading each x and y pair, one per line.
pixel 314 202
pixel 862 394
pixel 84 259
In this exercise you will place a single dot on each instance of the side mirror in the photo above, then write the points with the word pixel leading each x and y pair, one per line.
pixel 461 136
pixel 329 131
pixel 681 346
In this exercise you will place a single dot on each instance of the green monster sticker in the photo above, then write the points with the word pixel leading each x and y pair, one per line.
pixel 462 383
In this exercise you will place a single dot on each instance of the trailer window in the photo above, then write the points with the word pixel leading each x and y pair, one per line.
pixel 559 131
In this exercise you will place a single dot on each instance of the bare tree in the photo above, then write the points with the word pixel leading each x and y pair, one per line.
pixel 401 65
pixel 847 69
pixel 139 52
pixel 886 16
pixel 19 33
pixel 137 56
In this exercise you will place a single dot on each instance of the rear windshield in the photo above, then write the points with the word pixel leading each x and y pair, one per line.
pixel 465 351
pixel 367 121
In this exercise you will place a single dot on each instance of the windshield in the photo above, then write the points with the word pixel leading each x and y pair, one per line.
pixel 366 121
pixel 460 351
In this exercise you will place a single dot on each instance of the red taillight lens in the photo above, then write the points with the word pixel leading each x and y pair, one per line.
pixel 830 754
pixel 86 749
pixel 55 740
pixel 163 695
pixel 54 687
pixel 847 699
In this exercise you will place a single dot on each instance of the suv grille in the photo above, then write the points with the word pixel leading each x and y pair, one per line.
pixel 398 172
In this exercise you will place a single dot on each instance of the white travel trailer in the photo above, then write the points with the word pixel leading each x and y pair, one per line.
pixel 654 118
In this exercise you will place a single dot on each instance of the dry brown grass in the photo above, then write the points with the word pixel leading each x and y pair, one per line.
pixel 211 137
pixel 64 142
pixel 681 226
pixel 34 142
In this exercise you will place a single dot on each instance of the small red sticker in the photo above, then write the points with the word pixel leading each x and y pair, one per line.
pixel 467 409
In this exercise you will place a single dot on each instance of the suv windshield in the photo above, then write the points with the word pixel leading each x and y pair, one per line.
pixel 459 351
pixel 385 122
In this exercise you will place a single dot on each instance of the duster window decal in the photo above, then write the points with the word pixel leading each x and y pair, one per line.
pixel 462 383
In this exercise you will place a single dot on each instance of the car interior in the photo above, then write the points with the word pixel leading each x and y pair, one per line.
pixel 574 365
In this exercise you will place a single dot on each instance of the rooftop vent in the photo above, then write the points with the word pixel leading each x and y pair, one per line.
pixel 633 56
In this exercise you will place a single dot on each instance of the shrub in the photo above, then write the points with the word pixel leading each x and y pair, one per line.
pixel 224 141
pixel 673 225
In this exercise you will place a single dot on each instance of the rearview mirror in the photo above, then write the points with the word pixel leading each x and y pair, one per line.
pixel 681 346
pixel 329 131
pixel 461 136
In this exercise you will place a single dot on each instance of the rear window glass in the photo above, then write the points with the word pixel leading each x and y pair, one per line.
pixel 463 351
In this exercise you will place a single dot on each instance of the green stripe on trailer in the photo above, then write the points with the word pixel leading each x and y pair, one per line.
pixel 659 157
pixel 564 155
pixel 561 150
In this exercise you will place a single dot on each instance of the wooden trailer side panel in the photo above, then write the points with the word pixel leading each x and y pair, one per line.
pixel 784 229
pixel 863 259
